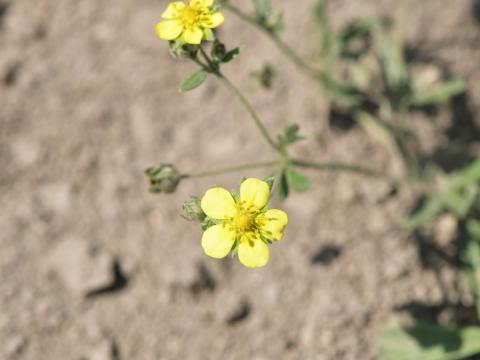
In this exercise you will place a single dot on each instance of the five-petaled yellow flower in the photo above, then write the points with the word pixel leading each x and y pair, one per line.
pixel 245 222
pixel 189 22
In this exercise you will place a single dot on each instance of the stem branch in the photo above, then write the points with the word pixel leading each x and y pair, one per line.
pixel 251 112
pixel 281 45
pixel 238 168
pixel 338 167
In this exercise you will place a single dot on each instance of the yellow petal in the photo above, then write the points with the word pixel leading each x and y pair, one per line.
pixel 193 35
pixel 218 203
pixel 198 4
pixel 169 29
pixel 273 224
pixel 255 192
pixel 173 9
pixel 217 241
pixel 213 20
pixel 253 254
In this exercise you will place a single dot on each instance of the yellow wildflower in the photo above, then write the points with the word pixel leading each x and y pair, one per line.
pixel 244 222
pixel 189 22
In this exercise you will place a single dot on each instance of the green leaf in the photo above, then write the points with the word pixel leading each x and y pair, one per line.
pixel 440 93
pixel 428 342
pixel 459 196
pixel 289 136
pixel 394 65
pixel 359 29
pixel 267 17
pixel 283 189
pixel 262 8
pixel 230 55
pixel 331 47
pixel 194 81
pixel 470 257
pixel 297 181
pixel 339 92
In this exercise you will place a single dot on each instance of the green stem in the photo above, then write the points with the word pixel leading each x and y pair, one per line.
pixel 282 46
pixel 338 167
pixel 296 162
pixel 238 168
pixel 253 114
pixel 213 68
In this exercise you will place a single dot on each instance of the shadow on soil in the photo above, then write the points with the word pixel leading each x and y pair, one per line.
pixel 434 257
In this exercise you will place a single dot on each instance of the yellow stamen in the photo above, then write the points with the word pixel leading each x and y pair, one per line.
pixel 188 16
pixel 243 222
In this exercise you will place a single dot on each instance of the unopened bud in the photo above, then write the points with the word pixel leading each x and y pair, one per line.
pixel 180 50
pixel 192 210
pixel 164 178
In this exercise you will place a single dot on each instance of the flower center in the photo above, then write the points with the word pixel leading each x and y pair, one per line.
pixel 243 222
pixel 188 16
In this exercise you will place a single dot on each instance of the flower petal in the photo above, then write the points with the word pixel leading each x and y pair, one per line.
pixel 218 203
pixel 173 9
pixel 198 4
pixel 217 241
pixel 255 192
pixel 169 29
pixel 253 254
pixel 273 223
pixel 193 35
pixel 212 20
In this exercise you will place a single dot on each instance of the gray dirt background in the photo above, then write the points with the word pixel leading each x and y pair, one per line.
pixel 88 100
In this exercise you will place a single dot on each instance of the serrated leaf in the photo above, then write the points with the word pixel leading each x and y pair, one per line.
pixel 283 189
pixel 289 136
pixel 194 81
pixel 297 181
pixel 440 93
pixel 429 342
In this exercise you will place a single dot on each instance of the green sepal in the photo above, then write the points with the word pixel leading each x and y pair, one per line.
pixel 283 189
pixel 208 34
pixel 270 181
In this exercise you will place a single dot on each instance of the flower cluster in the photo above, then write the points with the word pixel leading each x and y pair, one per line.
pixel 189 23
pixel 243 223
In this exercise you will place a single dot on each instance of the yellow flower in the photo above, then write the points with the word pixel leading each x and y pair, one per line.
pixel 190 23
pixel 244 222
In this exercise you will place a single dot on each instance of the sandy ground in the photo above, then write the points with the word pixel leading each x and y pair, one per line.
pixel 89 99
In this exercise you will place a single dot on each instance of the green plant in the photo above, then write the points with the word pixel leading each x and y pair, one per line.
pixel 460 198
pixel 364 72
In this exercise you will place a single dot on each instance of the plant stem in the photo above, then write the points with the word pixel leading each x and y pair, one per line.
pixel 338 167
pixel 213 68
pixel 251 112
pixel 233 169
pixel 296 162
pixel 282 46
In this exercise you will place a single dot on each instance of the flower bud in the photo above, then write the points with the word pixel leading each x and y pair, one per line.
pixel 164 178
pixel 192 210
pixel 218 50
pixel 180 50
